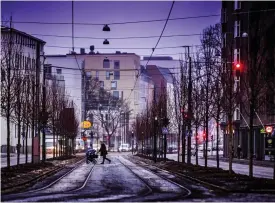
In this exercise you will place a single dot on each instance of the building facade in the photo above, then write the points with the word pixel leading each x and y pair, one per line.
pixel 26 54
pixel 238 21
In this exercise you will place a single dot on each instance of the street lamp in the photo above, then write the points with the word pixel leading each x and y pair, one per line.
pixel 106 42
pixel 132 142
pixel 106 28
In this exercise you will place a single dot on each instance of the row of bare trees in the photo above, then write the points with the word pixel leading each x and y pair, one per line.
pixel 217 90
pixel 20 106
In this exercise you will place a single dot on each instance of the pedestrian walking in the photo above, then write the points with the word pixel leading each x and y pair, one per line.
pixel 239 149
pixel 103 152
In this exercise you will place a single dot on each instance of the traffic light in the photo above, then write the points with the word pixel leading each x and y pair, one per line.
pixel 204 135
pixel 238 69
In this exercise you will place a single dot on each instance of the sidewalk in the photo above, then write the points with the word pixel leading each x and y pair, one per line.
pixel 245 161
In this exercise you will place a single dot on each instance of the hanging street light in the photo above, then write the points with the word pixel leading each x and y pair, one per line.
pixel 106 42
pixel 106 28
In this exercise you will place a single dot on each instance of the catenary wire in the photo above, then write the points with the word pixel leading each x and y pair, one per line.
pixel 141 21
pixel 155 46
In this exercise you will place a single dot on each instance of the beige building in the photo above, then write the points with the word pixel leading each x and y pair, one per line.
pixel 117 73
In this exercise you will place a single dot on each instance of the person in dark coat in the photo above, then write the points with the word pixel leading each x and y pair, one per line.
pixel 239 149
pixel 103 153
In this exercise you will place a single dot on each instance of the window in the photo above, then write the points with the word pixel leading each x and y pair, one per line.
pixel 107 75
pixel 237 29
pixel 97 74
pixel 238 117
pixel 106 63
pixel 116 75
pixel 113 85
pixel 116 94
pixel 116 65
pixel 224 40
pixel 101 84
pixel 237 4
pixel 59 71
pixel 237 55
pixel 224 15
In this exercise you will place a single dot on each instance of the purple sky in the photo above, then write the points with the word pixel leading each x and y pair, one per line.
pixel 108 12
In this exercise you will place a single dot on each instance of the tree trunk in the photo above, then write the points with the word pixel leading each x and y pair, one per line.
pixel 217 144
pixel 230 142
pixel 251 117
pixel 197 156
pixel 26 137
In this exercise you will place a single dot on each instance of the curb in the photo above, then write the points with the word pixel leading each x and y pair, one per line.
pixel 220 187
pixel 4 190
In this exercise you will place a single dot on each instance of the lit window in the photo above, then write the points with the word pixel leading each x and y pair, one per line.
pixel 116 94
pixel 237 4
pixel 113 85
pixel 224 15
pixel 107 75
pixel 237 29
pixel 101 84
pixel 237 55
pixel 59 71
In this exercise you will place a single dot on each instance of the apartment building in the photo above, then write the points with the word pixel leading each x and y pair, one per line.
pixel 26 56
pixel 237 20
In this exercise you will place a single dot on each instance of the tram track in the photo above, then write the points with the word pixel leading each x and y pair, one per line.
pixel 187 191
pixel 44 190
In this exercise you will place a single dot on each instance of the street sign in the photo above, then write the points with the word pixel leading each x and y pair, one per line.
pixel 86 124
pixel 164 130
pixel 270 143
pixel 262 131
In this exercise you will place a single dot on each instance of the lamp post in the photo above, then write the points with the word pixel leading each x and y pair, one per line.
pixel 132 142
pixel 155 138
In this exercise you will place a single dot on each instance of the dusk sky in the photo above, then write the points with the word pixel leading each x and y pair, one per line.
pixel 109 12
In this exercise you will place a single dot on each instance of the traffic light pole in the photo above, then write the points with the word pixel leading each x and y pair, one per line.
pixel 189 109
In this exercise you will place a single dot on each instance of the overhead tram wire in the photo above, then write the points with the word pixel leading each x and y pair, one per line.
pixel 63 47
pixel 119 38
pixel 141 21
pixel 155 47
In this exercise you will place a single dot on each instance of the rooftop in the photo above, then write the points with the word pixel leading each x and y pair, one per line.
pixel 7 29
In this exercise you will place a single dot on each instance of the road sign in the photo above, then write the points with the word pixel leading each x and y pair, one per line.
pixel 164 130
pixel 86 124
pixel 270 142
pixel 84 138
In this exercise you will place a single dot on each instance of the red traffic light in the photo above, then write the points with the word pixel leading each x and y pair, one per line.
pixel 238 65
pixel 268 129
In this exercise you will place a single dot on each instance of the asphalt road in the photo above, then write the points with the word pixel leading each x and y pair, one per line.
pixel 121 180
pixel 126 180
pixel 258 171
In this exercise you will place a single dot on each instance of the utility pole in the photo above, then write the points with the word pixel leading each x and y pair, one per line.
pixel 37 102
pixel 44 117
pixel 182 112
pixel 189 109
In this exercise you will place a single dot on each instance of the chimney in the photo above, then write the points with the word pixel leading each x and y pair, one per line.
pixel 82 51
pixel 92 48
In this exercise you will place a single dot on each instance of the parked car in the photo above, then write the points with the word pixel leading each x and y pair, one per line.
pixel 124 148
